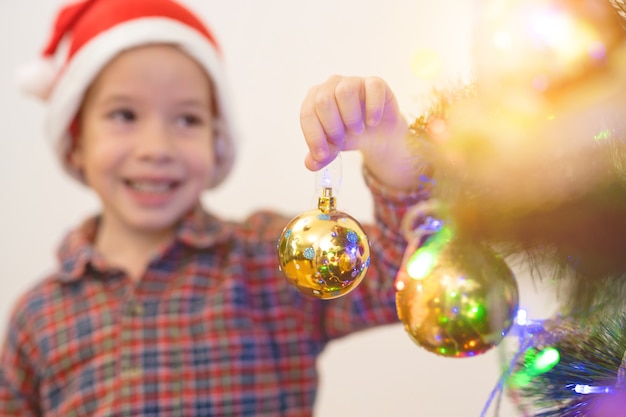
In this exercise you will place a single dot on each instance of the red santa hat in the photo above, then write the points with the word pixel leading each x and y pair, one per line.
pixel 87 35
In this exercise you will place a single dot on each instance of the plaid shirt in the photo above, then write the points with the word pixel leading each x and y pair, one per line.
pixel 211 329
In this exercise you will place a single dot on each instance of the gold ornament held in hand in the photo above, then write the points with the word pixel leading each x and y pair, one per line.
pixel 324 252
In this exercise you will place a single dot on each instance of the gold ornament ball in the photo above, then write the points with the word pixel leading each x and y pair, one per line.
pixel 456 299
pixel 324 253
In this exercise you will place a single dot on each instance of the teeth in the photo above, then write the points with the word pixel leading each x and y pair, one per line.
pixel 151 187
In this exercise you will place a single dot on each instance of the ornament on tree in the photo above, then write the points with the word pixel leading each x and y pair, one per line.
pixel 455 298
pixel 324 252
pixel 533 163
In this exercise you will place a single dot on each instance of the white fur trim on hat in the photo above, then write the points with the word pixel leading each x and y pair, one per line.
pixel 68 93
pixel 37 78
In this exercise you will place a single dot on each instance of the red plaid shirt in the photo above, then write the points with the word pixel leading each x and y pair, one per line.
pixel 211 329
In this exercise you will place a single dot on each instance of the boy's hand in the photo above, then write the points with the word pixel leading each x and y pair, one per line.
pixel 358 113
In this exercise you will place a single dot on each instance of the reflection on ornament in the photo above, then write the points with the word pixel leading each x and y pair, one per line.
pixel 324 252
pixel 456 298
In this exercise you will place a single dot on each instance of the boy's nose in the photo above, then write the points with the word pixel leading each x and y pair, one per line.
pixel 156 142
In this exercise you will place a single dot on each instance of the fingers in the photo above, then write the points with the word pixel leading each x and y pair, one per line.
pixel 378 97
pixel 350 95
pixel 339 108
pixel 315 135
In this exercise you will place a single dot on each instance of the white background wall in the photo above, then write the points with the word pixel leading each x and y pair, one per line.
pixel 275 49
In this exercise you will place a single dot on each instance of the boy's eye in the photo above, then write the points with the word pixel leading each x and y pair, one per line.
pixel 123 115
pixel 190 120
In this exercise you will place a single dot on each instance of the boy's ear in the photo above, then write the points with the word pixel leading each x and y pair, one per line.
pixel 74 157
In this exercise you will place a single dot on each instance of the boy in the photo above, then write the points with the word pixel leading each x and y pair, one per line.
pixel 158 307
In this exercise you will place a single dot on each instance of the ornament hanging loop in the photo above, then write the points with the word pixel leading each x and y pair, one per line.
pixel 419 221
pixel 328 181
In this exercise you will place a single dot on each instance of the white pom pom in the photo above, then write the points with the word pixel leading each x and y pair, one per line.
pixel 37 78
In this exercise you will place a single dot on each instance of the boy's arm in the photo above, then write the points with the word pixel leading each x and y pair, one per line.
pixel 18 376
pixel 361 113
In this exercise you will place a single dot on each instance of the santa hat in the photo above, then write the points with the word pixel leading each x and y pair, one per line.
pixel 87 35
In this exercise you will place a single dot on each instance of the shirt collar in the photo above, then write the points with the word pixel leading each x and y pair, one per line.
pixel 197 230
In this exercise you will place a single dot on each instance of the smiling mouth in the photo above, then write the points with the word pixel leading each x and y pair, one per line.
pixel 153 187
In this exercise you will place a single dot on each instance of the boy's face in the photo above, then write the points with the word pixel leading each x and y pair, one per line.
pixel 145 142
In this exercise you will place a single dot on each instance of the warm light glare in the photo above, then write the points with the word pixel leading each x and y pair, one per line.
pixel 569 38
pixel 540 44
pixel 502 40
pixel 554 29
pixel 426 64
